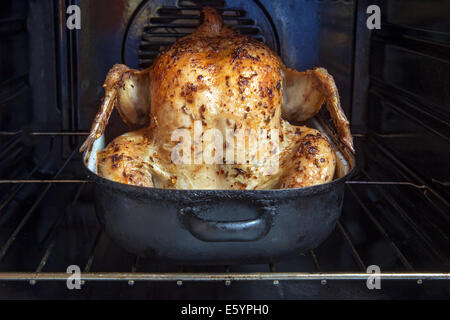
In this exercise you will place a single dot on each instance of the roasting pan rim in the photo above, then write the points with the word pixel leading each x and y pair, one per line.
pixel 222 192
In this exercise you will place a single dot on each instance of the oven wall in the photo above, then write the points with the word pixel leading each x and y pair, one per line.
pixel 317 34
pixel 406 107
pixel 14 66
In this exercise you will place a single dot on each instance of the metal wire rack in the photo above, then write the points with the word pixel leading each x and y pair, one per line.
pixel 406 271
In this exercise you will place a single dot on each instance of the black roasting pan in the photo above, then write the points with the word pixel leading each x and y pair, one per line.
pixel 218 226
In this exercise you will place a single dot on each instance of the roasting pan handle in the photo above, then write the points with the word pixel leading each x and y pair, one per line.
pixel 221 231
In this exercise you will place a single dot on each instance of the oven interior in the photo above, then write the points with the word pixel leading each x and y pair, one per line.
pixel 394 86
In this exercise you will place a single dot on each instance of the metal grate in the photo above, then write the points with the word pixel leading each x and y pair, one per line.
pixel 431 254
pixel 173 22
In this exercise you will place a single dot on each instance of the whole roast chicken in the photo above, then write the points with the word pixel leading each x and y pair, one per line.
pixel 214 110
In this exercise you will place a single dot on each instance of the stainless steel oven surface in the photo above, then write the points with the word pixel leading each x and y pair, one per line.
pixel 391 64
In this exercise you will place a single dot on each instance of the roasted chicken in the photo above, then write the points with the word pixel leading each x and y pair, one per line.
pixel 206 91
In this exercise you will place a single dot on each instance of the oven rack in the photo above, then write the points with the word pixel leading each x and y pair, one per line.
pixel 360 273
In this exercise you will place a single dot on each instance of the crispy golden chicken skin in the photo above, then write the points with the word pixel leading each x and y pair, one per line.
pixel 218 84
